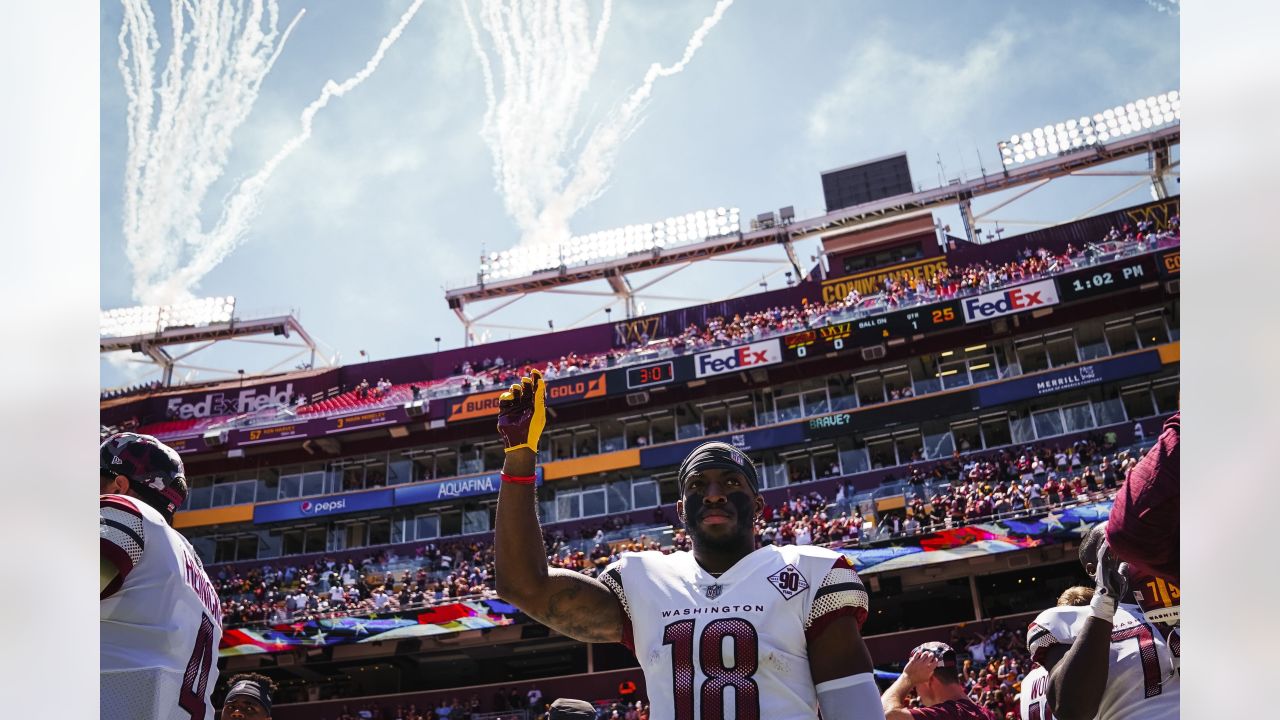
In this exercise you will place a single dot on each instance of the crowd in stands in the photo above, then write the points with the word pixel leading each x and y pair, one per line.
pixel 963 490
pixel 996 664
pixel 504 699
pixel 893 292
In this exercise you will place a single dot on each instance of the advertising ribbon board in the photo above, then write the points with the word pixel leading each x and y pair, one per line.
pixel 323 506
pixel 453 488
pixel 373 418
pixel 581 388
pixel 253 436
pixel 742 357
pixel 1171 263
pixel 1053 381
pixel 1020 298
pixel 761 439
pixel 474 406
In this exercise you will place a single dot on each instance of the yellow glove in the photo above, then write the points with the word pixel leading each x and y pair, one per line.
pixel 522 413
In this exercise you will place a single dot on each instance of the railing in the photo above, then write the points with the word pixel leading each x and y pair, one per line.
pixel 453 386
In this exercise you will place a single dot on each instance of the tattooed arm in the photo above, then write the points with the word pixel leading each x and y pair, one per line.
pixel 566 601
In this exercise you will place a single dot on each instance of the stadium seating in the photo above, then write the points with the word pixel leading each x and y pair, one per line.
pixel 894 294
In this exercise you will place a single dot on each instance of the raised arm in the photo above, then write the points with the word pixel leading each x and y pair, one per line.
pixel 568 602
pixel 1078 676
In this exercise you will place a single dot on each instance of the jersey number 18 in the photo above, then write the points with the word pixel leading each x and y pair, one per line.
pixel 746 658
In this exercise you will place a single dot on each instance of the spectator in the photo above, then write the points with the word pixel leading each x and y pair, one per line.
pixel 932 671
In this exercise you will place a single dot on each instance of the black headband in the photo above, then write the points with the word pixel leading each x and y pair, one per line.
pixel 251 689
pixel 718 455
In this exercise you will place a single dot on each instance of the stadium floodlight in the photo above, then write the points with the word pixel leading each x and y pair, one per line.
pixel 1087 130
pixel 639 238
pixel 152 319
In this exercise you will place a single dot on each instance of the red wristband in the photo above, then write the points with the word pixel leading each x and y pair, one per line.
pixel 521 480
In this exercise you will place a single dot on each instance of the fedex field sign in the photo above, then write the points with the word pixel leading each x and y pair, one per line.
pixel 745 357
pixel 1031 296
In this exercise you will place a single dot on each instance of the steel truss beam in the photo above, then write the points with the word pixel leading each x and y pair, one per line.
pixel 1082 162
pixel 157 346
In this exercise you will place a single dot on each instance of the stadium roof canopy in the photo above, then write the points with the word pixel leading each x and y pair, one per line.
pixel 1085 161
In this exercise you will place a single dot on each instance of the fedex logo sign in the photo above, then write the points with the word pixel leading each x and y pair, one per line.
pixel 1013 300
pixel 740 358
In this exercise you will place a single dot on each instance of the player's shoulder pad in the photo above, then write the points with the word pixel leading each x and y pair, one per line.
pixel 613 574
pixel 122 503
pixel 1055 626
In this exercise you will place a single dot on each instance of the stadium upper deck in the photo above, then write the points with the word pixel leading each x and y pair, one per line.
pixel 822 390
pixel 233 414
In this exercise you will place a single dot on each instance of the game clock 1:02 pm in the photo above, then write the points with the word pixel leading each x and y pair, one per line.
pixel 653 374
pixel 1107 278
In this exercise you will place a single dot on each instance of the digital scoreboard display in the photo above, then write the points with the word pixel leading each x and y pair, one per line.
pixel 658 373
pixel 906 323
pixel 1111 277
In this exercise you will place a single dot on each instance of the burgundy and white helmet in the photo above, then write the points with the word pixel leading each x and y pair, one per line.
pixel 153 469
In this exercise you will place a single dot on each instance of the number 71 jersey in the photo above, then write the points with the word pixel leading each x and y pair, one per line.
pixel 1142 671
pixel 735 646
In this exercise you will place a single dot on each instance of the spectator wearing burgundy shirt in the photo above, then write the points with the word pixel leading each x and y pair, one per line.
pixel 1143 526
pixel 933 672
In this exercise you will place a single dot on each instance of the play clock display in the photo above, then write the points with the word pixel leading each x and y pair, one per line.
pixel 652 374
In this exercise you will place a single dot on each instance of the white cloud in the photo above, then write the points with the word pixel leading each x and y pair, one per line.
pixel 939 93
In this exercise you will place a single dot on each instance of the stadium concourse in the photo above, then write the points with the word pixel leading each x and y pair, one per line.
pixel 951 417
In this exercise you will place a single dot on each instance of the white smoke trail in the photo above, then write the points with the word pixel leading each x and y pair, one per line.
pixel 547 56
pixel 180 130
pixel 1170 7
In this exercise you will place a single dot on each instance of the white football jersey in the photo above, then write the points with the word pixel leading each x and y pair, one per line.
pixel 1034 697
pixel 1142 677
pixel 160 619
pixel 735 646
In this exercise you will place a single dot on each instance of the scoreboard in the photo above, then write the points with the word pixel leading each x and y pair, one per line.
pixel 657 373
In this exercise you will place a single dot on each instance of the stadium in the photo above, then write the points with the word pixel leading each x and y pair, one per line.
pixel 348 527
pixel 950 411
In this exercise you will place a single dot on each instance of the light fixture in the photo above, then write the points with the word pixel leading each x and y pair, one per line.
pixel 610 244
pixel 971 348
pixel 1112 123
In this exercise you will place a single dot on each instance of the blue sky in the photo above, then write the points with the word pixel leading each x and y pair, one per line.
pixel 393 195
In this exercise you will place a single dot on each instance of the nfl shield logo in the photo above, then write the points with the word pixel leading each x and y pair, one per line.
pixel 713 591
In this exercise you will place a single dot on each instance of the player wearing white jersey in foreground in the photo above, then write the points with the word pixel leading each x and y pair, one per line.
pixel 727 630
pixel 160 617
pixel 1106 661
pixel 1033 700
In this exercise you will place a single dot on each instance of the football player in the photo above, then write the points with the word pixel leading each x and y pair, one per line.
pixel 248 697
pixel 1033 699
pixel 160 618
pixel 726 629
pixel 1106 660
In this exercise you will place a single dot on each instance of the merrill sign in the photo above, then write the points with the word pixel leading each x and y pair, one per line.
pixel 719 362
pixel 1013 300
